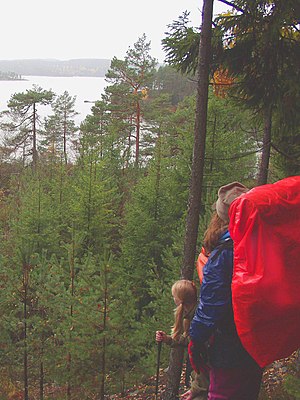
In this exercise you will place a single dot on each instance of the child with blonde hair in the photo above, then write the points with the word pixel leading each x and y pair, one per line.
pixel 185 297
pixel 184 293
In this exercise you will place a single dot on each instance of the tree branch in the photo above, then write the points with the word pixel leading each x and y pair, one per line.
pixel 283 153
pixel 235 156
pixel 229 3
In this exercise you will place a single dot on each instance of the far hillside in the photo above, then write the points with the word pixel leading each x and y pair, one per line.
pixel 52 67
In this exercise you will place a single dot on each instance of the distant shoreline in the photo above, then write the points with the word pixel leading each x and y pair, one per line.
pixel 56 68
pixel 12 80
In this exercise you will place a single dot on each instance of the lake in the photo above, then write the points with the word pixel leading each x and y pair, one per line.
pixel 84 88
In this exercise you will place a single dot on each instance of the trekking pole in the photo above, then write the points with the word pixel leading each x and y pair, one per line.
pixel 157 368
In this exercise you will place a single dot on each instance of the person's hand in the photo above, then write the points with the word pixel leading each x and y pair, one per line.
pixel 198 357
pixel 187 395
pixel 161 336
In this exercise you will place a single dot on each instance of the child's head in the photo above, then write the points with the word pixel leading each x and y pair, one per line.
pixel 185 298
pixel 184 292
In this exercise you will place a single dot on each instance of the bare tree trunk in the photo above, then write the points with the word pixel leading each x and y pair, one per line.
pixel 89 211
pixel 192 222
pixel 65 138
pixel 72 286
pixel 199 143
pixel 103 358
pixel 123 382
pixel 137 132
pixel 25 290
pixel 42 375
pixel 23 155
pixel 213 144
pixel 34 141
pixel 61 181
pixel 265 157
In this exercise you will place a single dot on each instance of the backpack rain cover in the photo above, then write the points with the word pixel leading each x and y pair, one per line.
pixel 265 227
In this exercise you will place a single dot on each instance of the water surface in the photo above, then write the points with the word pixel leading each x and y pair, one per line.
pixel 84 88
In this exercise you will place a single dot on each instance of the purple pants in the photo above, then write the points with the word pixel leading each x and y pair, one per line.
pixel 241 383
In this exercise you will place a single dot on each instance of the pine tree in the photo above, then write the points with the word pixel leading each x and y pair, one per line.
pixel 95 136
pixel 64 113
pixel 131 79
pixel 23 119
pixel 263 38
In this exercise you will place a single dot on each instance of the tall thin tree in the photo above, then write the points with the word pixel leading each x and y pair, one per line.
pixel 23 118
pixel 195 194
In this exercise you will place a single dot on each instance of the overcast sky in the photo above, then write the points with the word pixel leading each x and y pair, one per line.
pixel 66 29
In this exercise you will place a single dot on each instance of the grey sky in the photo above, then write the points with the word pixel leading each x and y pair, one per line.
pixel 67 29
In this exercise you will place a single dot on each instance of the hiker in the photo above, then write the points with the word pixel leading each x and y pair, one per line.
pixel 184 293
pixel 234 375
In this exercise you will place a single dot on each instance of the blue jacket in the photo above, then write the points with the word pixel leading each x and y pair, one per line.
pixel 213 319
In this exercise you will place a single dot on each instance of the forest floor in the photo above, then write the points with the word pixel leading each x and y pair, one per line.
pixel 272 387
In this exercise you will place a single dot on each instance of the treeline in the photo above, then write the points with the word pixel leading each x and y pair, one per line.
pixel 92 222
pixel 41 67
pixel 10 76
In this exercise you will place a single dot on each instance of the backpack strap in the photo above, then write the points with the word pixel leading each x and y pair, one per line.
pixel 226 245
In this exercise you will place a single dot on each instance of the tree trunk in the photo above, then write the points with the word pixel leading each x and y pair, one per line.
pixel 72 287
pixel 174 373
pixel 42 381
pixel 157 194
pixel 195 194
pixel 34 142
pixel 65 138
pixel 265 157
pixel 192 222
pixel 213 144
pixel 89 208
pixel 103 358
pixel 25 290
pixel 137 133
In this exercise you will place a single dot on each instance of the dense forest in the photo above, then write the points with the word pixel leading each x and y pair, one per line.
pixel 92 217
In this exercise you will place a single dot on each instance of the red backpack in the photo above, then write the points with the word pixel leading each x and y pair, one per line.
pixel 265 227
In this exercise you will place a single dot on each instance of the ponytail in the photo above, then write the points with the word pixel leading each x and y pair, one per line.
pixel 177 329
pixel 185 291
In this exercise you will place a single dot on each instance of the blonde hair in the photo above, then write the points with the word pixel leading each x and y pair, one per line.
pixel 215 229
pixel 185 291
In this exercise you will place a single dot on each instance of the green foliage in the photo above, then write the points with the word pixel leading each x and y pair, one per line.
pixel 261 49
pixel 181 45
pixel 137 67
pixel 292 386
pixel 92 208
pixel 90 246
pixel 256 43
pixel 130 81
pixel 92 234
pixel 231 141
pixel 36 220
pixel 170 82
pixel 21 122
pixel 286 145
pixel 21 102
pixel 95 138
pixel 262 44
pixel 60 127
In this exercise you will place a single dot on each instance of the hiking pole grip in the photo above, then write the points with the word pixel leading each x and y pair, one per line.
pixel 159 344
